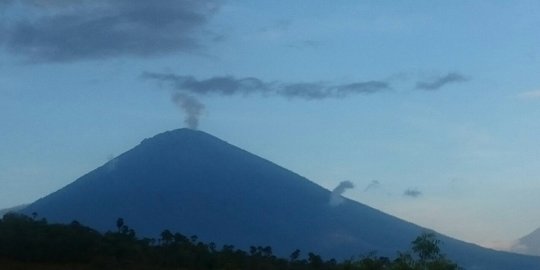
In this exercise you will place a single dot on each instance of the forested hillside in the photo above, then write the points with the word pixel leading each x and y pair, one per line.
pixel 32 243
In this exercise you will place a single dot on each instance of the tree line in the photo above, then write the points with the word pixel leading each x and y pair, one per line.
pixel 32 243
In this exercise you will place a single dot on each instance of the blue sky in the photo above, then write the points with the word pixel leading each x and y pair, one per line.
pixel 429 107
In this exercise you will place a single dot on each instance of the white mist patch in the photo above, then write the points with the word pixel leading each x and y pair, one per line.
pixel 335 197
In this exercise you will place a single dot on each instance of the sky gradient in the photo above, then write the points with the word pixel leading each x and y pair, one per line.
pixel 429 107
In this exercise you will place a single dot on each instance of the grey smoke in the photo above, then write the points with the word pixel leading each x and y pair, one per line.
pixel 441 81
pixel 191 107
pixel 372 185
pixel 414 193
pixel 229 86
pixel 335 197
pixel 61 30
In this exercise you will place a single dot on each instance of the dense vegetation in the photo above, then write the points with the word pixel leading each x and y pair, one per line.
pixel 31 243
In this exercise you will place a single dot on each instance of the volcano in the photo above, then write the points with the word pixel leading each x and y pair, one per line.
pixel 190 182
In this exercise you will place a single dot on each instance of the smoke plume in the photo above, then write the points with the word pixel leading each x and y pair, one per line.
pixel 335 197
pixel 191 107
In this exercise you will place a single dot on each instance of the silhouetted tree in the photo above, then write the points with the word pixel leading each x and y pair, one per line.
pixel 167 237
pixel 426 248
pixel 119 224
pixel 294 255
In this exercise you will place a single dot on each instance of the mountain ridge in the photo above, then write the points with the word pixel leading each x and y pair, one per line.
pixel 12 209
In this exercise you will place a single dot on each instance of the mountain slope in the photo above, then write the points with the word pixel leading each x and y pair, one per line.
pixel 194 183
pixel 529 244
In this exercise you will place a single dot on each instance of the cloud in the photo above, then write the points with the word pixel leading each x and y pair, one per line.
pixel 530 95
pixel 229 86
pixel 249 86
pixel 226 85
pixel 414 193
pixel 372 185
pixel 439 82
pixel 335 197
pixel 62 31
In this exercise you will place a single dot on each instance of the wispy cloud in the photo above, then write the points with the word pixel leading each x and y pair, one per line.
pixel 248 86
pixel 229 85
pixel 530 95
pixel 372 185
pixel 414 193
pixel 437 83
pixel 61 31
pixel 187 87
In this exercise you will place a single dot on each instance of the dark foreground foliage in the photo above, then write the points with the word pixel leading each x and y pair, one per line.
pixel 28 243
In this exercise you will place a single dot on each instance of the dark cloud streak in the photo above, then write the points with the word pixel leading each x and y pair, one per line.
pixel 186 87
pixel 414 193
pixel 228 86
pixel 249 86
pixel 439 82
pixel 102 29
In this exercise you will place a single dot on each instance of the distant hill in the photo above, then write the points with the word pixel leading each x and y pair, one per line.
pixel 191 182
pixel 529 244
pixel 12 209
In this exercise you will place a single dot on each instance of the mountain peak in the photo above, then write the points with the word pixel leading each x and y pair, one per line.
pixel 181 132
pixel 182 135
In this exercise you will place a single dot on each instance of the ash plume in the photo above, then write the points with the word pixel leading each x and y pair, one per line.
pixel 192 108
pixel 335 197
